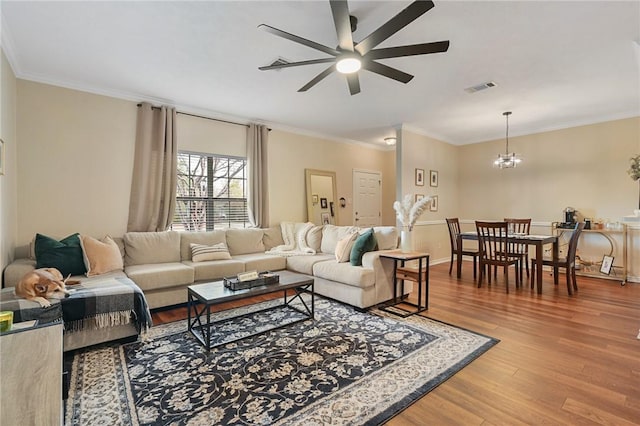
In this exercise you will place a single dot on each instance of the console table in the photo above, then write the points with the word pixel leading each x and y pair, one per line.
pixel 403 272
pixel 610 236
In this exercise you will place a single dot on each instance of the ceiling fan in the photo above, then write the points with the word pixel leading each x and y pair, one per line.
pixel 349 57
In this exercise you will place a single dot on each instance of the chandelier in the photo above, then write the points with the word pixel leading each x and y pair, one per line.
pixel 508 160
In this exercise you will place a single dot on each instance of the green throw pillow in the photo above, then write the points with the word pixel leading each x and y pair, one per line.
pixel 64 255
pixel 364 243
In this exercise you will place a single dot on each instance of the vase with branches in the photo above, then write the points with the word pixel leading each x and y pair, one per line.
pixel 408 213
pixel 634 172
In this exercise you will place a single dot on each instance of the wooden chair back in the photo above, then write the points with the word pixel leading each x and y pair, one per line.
pixel 519 226
pixel 573 244
pixel 454 230
pixel 493 241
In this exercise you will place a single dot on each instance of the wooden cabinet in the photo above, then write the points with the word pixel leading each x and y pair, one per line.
pixel 31 376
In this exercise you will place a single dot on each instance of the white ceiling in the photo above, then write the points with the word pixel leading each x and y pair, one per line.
pixel 557 64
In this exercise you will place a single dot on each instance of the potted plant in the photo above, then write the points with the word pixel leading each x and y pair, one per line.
pixel 634 172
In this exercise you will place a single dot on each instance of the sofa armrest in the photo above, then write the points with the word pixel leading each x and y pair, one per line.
pixel 383 269
pixel 16 270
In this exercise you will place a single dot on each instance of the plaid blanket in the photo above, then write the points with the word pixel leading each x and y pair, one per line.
pixel 104 302
pixel 26 310
pixel 98 302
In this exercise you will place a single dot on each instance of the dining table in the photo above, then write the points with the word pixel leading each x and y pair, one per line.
pixel 539 241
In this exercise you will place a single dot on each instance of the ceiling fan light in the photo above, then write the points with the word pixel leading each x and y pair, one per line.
pixel 390 141
pixel 348 65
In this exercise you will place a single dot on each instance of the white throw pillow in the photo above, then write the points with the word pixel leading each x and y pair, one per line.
pixel 201 252
pixel 343 247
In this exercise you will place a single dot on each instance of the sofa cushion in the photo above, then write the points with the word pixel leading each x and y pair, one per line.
pixel 208 238
pixel 314 238
pixel 365 242
pixel 64 255
pixel 202 252
pixel 142 248
pixel 343 247
pixel 101 256
pixel 160 275
pixel 215 270
pixel 331 234
pixel 272 238
pixel 304 264
pixel 386 236
pixel 345 273
pixel 243 241
pixel 262 262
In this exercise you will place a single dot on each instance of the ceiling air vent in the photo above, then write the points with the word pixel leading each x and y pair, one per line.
pixel 479 87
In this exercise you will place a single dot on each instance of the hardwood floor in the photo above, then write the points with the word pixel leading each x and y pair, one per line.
pixel 562 360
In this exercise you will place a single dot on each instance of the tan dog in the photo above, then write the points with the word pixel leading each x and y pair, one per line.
pixel 41 284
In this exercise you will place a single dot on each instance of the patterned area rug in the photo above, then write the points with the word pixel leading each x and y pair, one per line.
pixel 342 368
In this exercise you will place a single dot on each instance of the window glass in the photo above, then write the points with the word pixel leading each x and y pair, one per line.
pixel 211 192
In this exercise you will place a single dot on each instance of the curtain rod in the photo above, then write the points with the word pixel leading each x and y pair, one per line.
pixel 201 116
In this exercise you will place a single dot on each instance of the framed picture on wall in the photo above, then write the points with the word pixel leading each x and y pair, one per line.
pixel 325 218
pixel 323 203
pixel 433 178
pixel 331 208
pixel 434 203
pixel 419 177
pixel 607 264
pixel 419 197
pixel 314 199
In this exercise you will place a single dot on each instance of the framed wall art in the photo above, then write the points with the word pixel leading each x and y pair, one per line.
pixel 419 177
pixel 325 218
pixel 607 264
pixel 434 203
pixel 323 203
pixel 433 178
pixel 419 197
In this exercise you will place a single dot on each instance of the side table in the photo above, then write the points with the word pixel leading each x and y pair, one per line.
pixel 402 273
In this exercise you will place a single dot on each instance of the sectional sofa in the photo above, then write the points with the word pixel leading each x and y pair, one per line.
pixel 161 263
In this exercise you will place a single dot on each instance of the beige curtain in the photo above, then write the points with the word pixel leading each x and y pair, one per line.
pixel 153 186
pixel 258 195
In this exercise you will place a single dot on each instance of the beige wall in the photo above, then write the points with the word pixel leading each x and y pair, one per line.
pixel 75 161
pixel 582 167
pixel 8 181
pixel 290 154
pixel 422 152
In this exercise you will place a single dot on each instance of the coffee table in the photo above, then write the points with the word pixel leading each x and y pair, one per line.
pixel 201 297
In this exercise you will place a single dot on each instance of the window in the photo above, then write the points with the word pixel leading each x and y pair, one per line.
pixel 211 192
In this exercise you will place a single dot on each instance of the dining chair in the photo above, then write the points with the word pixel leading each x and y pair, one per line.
pixel 568 262
pixel 520 226
pixel 494 242
pixel 454 231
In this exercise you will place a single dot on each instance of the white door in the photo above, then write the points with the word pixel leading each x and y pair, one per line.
pixel 367 198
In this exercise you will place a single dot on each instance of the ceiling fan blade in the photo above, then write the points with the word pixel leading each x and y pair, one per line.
pixel 296 64
pixel 393 25
pixel 340 12
pixel 387 71
pixel 354 83
pixel 303 41
pixel 317 79
pixel 410 50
